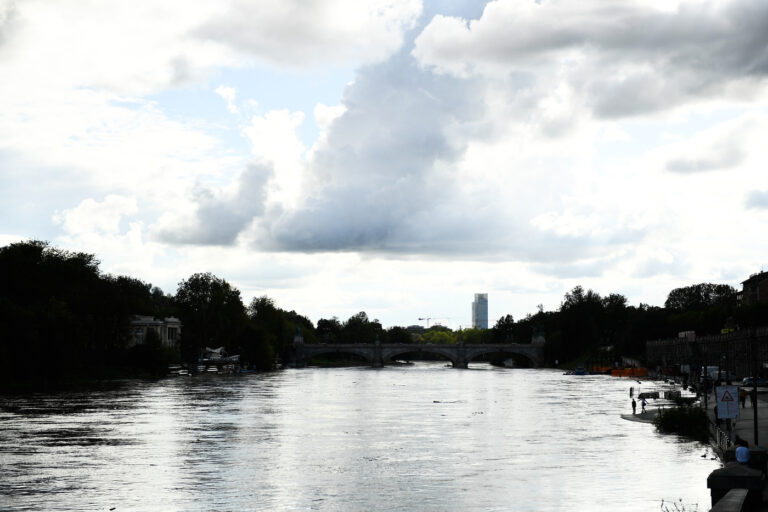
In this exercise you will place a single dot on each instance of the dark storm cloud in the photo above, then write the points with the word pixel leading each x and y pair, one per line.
pixel 632 59
pixel 219 217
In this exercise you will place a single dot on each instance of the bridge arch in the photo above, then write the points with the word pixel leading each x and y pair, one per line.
pixel 449 354
pixel 518 357
pixel 362 351
pixel 531 354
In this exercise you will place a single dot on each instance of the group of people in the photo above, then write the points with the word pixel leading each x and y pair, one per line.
pixel 643 403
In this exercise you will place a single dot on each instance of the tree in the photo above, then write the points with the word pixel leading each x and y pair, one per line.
pixel 398 335
pixel 503 330
pixel 211 311
pixel 329 330
pixel 60 312
pixel 359 329
pixel 699 297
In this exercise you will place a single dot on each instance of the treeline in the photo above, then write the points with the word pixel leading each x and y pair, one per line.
pixel 605 328
pixel 61 317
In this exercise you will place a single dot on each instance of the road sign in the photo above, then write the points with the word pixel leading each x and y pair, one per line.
pixel 727 402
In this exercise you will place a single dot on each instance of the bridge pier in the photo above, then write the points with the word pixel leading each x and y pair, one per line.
pixel 461 356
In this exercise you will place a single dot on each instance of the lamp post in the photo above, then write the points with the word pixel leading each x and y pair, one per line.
pixel 754 382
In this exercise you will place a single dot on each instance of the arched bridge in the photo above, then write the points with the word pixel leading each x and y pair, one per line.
pixel 377 354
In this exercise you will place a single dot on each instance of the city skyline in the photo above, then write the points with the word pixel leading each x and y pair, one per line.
pixel 392 157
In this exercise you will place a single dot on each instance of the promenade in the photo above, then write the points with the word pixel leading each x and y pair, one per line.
pixel 743 426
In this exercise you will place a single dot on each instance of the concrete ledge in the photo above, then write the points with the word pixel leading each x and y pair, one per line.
pixel 736 476
pixel 733 501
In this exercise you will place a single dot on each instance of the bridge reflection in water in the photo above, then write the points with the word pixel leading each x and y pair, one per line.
pixel 377 355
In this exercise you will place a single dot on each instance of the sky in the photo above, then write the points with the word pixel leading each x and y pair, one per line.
pixel 392 157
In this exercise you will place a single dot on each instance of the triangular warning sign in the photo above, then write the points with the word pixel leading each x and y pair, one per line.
pixel 726 397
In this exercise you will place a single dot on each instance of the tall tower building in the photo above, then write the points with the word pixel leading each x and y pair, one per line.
pixel 480 311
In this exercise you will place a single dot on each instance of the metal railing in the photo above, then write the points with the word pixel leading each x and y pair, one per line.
pixel 721 438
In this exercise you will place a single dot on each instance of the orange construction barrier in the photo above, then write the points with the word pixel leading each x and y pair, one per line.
pixel 630 372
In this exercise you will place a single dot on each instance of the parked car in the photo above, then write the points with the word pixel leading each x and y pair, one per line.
pixel 751 381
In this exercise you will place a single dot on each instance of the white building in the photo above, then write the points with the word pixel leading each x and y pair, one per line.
pixel 480 311
pixel 167 329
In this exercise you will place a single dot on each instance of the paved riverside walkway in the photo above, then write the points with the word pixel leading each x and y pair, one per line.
pixel 743 426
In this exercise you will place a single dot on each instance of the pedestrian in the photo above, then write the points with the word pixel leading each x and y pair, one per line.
pixel 642 404
pixel 742 453
pixel 743 397
pixel 634 406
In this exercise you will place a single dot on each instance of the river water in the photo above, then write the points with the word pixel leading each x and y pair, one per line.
pixel 424 437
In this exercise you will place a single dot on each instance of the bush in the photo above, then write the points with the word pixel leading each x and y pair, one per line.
pixel 690 422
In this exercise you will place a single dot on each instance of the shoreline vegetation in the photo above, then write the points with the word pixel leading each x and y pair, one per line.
pixel 685 420
pixel 64 320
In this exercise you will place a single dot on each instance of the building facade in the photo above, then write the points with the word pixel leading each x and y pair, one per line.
pixel 480 311
pixel 755 289
pixel 167 329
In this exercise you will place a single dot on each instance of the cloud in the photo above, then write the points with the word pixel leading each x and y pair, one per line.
pixel 219 215
pixel 293 33
pixel 228 94
pixel 377 182
pixel 91 216
pixel 728 145
pixel 713 159
pixel 758 199
pixel 624 58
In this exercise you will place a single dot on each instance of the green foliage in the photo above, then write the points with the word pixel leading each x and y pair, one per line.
pixel 359 329
pixel 329 331
pixel 690 422
pixel 503 331
pixel 211 312
pixel 438 337
pixel 476 336
pixel 60 314
pixel 272 325
pixel 699 297
pixel 399 335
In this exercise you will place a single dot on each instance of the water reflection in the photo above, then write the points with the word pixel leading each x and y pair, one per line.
pixel 422 437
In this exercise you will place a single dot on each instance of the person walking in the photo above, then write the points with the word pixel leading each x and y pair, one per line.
pixel 642 404
pixel 634 406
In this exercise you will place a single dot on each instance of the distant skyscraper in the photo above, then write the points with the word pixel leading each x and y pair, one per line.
pixel 480 311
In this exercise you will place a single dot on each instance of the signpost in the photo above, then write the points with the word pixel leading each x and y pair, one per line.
pixel 727 402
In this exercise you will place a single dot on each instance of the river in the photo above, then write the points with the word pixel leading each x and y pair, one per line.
pixel 424 437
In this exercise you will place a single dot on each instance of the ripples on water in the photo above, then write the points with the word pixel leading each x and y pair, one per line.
pixel 423 437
